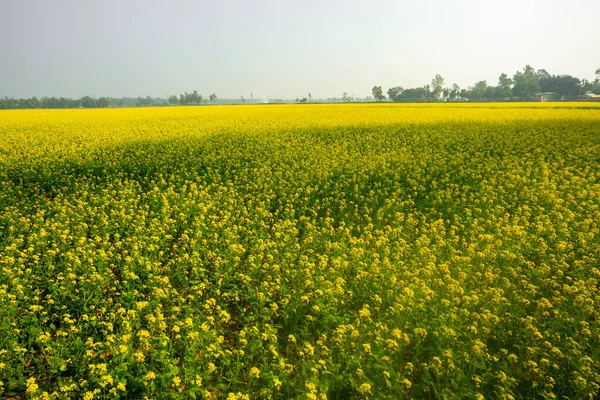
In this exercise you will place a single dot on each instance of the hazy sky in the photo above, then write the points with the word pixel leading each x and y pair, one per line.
pixel 281 48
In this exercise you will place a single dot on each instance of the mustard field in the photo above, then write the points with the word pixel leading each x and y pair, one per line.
pixel 378 251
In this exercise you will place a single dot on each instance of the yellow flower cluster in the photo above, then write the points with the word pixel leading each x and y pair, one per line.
pixel 307 251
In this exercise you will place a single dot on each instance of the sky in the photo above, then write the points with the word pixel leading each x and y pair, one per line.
pixel 284 48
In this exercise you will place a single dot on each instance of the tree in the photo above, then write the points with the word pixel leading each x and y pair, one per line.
pixel 173 100
pixel 102 102
pixel 455 91
pixel 428 95
pixel 479 91
pixel 499 93
pixel 595 87
pixel 144 101
pixel 345 97
pixel 526 83
pixel 585 86
pixel 87 102
pixel 566 86
pixel 416 94
pixel 543 74
pixel 394 93
pixel 49 102
pixel 504 86
pixel 190 98
pixel 437 84
pixel 194 98
pixel 504 80
pixel 213 98
pixel 33 102
pixel 309 96
pixel 378 93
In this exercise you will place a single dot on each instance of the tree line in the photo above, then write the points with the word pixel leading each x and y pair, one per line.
pixel 193 98
pixel 524 85
pixel 54 102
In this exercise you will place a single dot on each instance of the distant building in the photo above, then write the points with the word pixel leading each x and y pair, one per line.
pixel 545 96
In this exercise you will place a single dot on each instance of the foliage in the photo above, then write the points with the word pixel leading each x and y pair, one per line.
pixel 564 85
pixel 378 93
pixel 395 92
pixel 523 86
pixel 413 94
pixel 437 85
pixel 526 83
pixel 190 98
pixel 143 101
pixel 341 251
